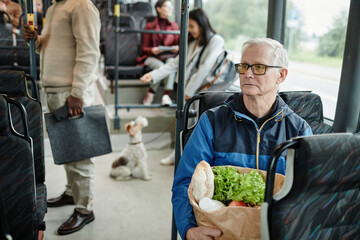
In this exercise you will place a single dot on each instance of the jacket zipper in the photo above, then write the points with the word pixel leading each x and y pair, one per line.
pixel 258 138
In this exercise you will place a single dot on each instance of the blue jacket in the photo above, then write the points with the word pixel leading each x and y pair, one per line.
pixel 225 136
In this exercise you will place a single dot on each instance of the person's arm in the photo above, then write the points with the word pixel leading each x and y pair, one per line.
pixel 165 70
pixel 199 147
pixel 147 44
pixel 86 30
pixel 213 50
pixel 307 130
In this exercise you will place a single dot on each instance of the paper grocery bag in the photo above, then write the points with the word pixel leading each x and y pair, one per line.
pixel 236 223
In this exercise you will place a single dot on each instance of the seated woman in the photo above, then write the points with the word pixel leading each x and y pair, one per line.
pixel 204 48
pixel 158 48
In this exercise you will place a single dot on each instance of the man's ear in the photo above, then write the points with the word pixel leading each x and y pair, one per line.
pixel 283 74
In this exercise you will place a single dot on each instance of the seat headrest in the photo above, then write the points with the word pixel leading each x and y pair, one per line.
pixel 329 160
pixel 307 105
pixel 213 99
pixel 12 83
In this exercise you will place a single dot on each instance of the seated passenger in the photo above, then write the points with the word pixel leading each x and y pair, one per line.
pixel 13 9
pixel 242 132
pixel 204 47
pixel 154 54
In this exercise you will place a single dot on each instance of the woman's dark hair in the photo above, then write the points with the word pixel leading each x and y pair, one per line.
pixel 159 4
pixel 199 16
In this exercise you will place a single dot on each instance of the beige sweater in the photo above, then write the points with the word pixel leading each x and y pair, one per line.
pixel 69 47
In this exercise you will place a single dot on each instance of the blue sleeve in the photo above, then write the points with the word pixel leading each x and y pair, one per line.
pixel 308 131
pixel 199 147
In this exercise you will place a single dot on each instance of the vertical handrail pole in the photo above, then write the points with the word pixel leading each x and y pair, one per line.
pixel 29 9
pixel 348 104
pixel 117 15
pixel 180 92
pixel 276 20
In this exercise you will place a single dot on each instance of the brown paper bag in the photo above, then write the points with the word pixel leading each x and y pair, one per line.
pixel 241 223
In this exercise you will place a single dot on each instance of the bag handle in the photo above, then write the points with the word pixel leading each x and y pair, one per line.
pixel 206 86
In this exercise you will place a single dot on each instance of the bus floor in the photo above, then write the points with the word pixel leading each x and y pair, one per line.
pixel 133 209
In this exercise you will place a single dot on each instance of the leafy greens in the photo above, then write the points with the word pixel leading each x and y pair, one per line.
pixel 231 185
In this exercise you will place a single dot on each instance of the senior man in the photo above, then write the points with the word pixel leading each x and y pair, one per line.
pixel 241 132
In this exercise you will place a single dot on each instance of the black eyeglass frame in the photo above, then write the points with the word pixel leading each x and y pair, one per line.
pixel 251 66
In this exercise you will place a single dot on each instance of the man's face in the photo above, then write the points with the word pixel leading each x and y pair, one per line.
pixel 260 85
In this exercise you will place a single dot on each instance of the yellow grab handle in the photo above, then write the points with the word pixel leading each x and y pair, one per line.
pixel 117 10
pixel 31 21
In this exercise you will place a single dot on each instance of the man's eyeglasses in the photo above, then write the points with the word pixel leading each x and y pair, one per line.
pixel 257 69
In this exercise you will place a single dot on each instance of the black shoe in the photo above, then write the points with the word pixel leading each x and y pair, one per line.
pixel 76 222
pixel 62 200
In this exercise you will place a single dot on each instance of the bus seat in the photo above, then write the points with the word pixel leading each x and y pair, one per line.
pixel 6 40
pixel 4 226
pixel 128 50
pixel 14 85
pixel 17 177
pixel 206 100
pixel 138 10
pixel 320 198
pixel 106 12
pixel 307 105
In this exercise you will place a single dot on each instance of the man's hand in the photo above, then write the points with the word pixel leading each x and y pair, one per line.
pixel 29 34
pixel 75 105
pixel 146 78
pixel 202 233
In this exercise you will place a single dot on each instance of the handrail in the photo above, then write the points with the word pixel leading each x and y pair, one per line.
pixel 127 30
pixel 33 70
pixel 129 106
pixel 180 93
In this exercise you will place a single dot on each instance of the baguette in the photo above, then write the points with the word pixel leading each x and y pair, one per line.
pixel 203 181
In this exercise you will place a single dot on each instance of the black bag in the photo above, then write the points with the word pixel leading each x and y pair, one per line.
pixel 78 138
pixel 222 75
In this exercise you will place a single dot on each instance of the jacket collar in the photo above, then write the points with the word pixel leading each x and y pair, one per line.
pixel 233 103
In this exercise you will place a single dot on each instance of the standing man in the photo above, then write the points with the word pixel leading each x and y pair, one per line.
pixel 69 55
pixel 242 132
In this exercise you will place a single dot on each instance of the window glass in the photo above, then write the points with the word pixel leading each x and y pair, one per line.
pixel 315 34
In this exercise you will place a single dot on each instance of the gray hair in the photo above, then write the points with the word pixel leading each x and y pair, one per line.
pixel 280 54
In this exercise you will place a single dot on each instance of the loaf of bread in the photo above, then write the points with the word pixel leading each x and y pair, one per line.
pixel 203 181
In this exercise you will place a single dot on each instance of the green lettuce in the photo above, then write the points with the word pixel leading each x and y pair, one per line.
pixel 231 185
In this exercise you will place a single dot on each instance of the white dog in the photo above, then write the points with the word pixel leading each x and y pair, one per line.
pixel 132 162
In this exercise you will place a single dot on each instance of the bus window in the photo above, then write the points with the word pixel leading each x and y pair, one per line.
pixel 314 37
